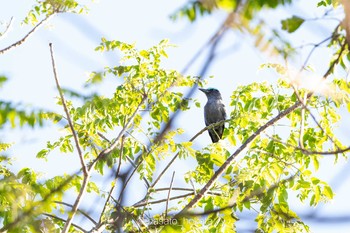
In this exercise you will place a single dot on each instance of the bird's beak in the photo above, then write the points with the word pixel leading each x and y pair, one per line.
pixel 203 90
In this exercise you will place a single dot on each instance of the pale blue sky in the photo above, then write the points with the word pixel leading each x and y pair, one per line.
pixel 74 38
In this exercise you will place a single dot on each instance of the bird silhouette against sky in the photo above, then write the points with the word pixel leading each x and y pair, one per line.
pixel 214 111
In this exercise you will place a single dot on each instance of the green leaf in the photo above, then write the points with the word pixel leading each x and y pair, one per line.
pixel 292 24
pixel 3 79
pixel 327 191
pixel 43 153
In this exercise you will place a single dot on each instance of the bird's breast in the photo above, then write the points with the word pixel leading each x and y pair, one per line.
pixel 213 112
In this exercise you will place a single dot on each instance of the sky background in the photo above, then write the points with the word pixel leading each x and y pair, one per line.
pixel 145 23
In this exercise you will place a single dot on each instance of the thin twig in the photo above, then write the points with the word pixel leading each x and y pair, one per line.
pixel 76 204
pixel 63 220
pixel 312 51
pixel 86 174
pixel 75 136
pixel 185 190
pixel 336 61
pixel 127 181
pixel 80 211
pixel 302 122
pixel 134 166
pixel 145 202
pixel 163 200
pixel 7 27
pixel 167 202
pixel 255 194
pixel 114 181
pixel 309 152
pixel 21 41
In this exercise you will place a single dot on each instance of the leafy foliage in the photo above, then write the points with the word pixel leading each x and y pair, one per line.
pixel 270 167
pixel 49 7
pixel 292 24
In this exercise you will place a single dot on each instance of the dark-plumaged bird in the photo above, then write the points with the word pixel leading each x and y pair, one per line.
pixel 214 111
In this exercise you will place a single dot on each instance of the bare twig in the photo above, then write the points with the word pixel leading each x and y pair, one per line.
pixel 80 211
pixel 76 204
pixel 167 202
pixel 313 49
pixel 7 27
pixel 127 181
pixel 75 136
pixel 86 174
pixel 114 181
pixel 145 201
pixel 302 122
pixel 134 166
pixel 21 41
pixel 309 152
pixel 255 194
pixel 163 200
pixel 185 190
pixel 336 61
pixel 63 220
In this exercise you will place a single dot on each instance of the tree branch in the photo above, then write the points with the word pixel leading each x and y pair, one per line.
pixel 21 41
pixel 80 211
pixel 75 136
pixel 7 27
pixel 228 162
pixel 309 152
pixel 163 200
pixel 114 181
pixel 167 201
pixel 256 194
pixel 63 220
pixel 86 173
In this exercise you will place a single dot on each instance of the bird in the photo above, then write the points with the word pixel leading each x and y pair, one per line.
pixel 214 111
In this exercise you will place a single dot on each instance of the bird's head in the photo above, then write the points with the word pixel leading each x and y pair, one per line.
pixel 211 93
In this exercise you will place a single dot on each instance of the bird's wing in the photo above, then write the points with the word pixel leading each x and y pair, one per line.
pixel 214 136
pixel 223 111
pixel 221 128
